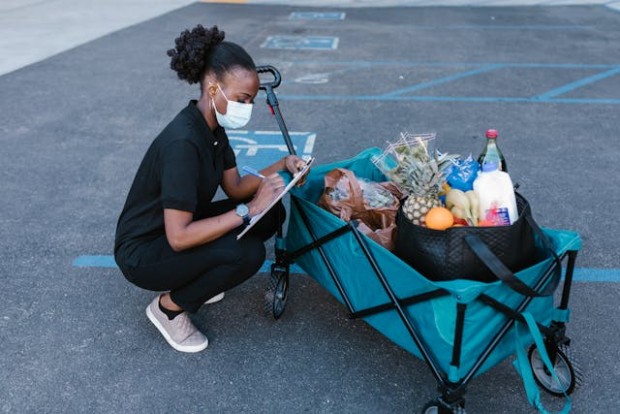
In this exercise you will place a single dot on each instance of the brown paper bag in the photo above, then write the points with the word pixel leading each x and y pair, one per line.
pixel 374 205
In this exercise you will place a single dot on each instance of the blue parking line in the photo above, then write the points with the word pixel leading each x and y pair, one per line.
pixel 499 27
pixel 609 101
pixel 363 63
pixel 317 16
pixel 95 261
pixel 584 274
pixel 553 96
pixel 440 81
pixel 479 99
pixel 581 274
pixel 578 84
pixel 107 262
pixel 403 98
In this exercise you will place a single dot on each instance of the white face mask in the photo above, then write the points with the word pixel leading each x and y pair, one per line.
pixel 237 114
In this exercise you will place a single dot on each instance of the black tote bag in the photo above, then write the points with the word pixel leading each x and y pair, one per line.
pixel 447 254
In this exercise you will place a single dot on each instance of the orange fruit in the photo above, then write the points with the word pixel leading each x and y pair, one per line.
pixel 439 218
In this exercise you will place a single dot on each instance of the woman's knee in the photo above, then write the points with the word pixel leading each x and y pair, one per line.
pixel 252 253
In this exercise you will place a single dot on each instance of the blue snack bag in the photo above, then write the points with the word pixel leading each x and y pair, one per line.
pixel 463 173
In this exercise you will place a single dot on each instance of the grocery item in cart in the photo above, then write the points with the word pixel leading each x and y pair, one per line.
pixel 371 205
pixel 491 151
pixel 497 205
pixel 463 173
pixel 418 170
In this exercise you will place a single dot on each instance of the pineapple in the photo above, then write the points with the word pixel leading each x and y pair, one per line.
pixel 421 176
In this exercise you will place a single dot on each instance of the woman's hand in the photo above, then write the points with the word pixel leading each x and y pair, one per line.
pixel 294 164
pixel 269 188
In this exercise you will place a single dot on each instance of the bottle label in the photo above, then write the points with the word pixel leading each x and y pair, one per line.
pixel 497 216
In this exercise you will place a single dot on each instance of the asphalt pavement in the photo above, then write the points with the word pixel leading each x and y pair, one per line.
pixel 74 126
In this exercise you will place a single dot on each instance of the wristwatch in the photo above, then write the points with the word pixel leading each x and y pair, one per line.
pixel 244 212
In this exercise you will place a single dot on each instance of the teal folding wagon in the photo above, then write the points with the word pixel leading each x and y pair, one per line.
pixel 460 328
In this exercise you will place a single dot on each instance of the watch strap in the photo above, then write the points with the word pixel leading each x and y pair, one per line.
pixel 246 220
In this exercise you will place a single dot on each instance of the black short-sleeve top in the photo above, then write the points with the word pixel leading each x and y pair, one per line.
pixel 181 170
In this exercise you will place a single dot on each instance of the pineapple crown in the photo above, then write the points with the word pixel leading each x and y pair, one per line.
pixel 418 173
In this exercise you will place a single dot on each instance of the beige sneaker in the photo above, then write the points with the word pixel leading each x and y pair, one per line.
pixel 180 332
pixel 215 299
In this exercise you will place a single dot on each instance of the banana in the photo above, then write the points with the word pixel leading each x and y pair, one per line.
pixel 458 203
pixel 456 197
pixel 464 204
pixel 458 212
pixel 474 204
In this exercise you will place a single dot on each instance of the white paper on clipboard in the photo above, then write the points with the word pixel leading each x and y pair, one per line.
pixel 289 186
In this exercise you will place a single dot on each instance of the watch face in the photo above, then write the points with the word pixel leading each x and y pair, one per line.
pixel 242 210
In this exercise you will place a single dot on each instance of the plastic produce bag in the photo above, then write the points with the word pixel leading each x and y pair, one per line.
pixel 371 204
pixel 463 173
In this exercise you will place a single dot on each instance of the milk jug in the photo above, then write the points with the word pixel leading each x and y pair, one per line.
pixel 498 205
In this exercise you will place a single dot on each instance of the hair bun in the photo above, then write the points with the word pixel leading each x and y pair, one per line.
pixel 189 56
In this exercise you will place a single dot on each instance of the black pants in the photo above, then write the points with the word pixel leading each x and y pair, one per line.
pixel 195 275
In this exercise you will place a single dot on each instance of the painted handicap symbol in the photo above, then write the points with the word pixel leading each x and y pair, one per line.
pixel 249 147
pixel 259 149
pixel 301 42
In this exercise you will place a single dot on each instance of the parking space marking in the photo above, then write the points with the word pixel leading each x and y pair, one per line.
pixel 258 149
pixel 578 84
pixel 301 42
pixel 581 274
pixel 551 96
pixel 440 81
pixel 479 99
pixel 95 261
pixel 500 27
pixel 225 1
pixel 589 274
pixel 317 16
pixel 322 77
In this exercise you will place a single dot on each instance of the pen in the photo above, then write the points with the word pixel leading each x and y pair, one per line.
pixel 252 171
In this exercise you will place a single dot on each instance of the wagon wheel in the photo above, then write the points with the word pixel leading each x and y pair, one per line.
pixel 568 373
pixel 277 291
pixel 436 407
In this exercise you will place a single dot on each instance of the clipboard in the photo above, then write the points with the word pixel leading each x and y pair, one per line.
pixel 288 187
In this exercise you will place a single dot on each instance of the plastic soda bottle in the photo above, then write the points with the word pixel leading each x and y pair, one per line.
pixel 497 201
pixel 491 151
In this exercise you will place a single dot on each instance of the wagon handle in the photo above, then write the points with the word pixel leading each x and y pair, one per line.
pixel 272 102
pixel 276 76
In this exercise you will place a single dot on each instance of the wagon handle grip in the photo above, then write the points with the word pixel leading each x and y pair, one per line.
pixel 276 76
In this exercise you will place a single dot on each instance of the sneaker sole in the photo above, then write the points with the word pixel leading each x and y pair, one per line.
pixel 215 299
pixel 171 342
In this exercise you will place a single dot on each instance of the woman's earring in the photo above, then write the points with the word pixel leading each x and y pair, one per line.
pixel 212 91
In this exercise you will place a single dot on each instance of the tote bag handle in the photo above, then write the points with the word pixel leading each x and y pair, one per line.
pixel 504 274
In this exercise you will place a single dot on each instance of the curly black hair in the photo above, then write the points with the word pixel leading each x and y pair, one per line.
pixel 199 51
